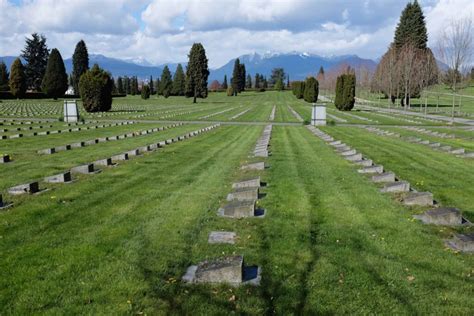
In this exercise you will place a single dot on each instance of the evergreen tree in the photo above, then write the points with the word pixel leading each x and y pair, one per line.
pixel 151 86
pixel 80 64
pixel 126 85
pixel 248 82
pixel 257 81
pixel 114 86
pixel 311 90
pixel 265 82
pixel 288 85
pixel 95 87
pixel 4 77
pixel 224 84
pixel 298 89
pixel 36 55
pixel 17 79
pixel 345 92
pixel 279 86
pixel 133 86
pixel 179 81
pixel 277 74
pixel 236 79
pixel 411 27
pixel 166 84
pixel 145 92
pixel 120 88
pixel 157 86
pixel 55 78
pixel 197 73
pixel 242 76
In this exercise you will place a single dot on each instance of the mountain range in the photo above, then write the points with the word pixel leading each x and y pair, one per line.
pixel 297 65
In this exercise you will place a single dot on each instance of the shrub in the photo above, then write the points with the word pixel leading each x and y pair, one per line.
pixel 17 79
pixel 146 92
pixel 95 86
pixel 311 90
pixel 230 91
pixel 345 92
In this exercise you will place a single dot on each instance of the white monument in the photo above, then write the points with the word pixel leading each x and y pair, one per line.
pixel 318 115
pixel 71 113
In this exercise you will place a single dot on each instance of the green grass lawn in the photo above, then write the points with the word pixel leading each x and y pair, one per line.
pixel 118 242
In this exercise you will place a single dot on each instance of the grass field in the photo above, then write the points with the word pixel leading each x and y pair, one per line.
pixel 118 242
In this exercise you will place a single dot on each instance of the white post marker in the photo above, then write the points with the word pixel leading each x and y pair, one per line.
pixel 71 114
pixel 318 115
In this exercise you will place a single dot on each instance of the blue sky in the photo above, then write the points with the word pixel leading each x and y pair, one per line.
pixel 161 31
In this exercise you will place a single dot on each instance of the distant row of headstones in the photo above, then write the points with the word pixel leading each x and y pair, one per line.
pixel 437 215
pixel 459 152
pixel 69 130
pixel 272 114
pixel 219 112
pixel 90 168
pixel 53 150
pixel 240 203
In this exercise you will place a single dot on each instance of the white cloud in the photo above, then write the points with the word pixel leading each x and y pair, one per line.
pixel 163 30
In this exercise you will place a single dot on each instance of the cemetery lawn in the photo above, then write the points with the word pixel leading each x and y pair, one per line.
pixel 118 242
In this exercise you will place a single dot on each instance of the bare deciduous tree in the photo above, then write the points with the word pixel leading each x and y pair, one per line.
pixel 455 45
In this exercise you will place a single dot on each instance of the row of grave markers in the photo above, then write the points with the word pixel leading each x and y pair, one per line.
pixel 90 168
pixel 53 150
pixel 447 216
pixel 295 114
pixel 69 130
pixel 459 152
pixel 240 203
pixel 272 114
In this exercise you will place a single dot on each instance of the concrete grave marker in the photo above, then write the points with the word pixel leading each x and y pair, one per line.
pixel 254 182
pixel 395 187
pixel 254 166
pixel 418 198
pixel 59 178
pixel 462 242
pixel 238 209
pixel 384 177
pixel 447 216
pixel 218 237
pixel 243 194
pixel 104 162
pixel 4 158
pixel 30 188
pixel 85 169
pixel 371 169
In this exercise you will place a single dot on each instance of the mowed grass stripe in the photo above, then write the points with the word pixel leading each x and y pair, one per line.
pixel 359 247
pixel 109 244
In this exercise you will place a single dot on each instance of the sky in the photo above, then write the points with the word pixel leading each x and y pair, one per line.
pixel 162 31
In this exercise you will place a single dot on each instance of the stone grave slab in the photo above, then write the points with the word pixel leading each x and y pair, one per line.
pixel 462 242
pixel 354 157
pixel 238 209
pixel 91 142
pixel 47 151
pixel 364 162
pixel 458 151
pixel 63 148
pixel 384 177
pixel 336 142
pixel 371 169
pixel 434 145
pixel 254 166
pixel 418 198
pixel 224 270
pixel 254 182
pixel 3 204
pixel 396 187
pixel 32 187
pixel 446 216
pixel 104 162
pixel 59 178
pixel 218 237
pixel 162 144
pixel 85 169
pixel 349 152
pixel 134 152
pixel 243 194
pixel 120 157
pixel 78 145
pixel 445 148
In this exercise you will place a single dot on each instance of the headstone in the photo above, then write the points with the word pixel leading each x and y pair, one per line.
pixel 447 216
pixel 318 115
pixel 462 242
pixel 458 151
pixel 254 166
pixel 47 151
pixel 225 270
pixel 63 148
pixel 78 145
pixel 354 157
pixel 255 182
pixel 349 152
pixel 371 169
pixel 59 178
pixel 134 152
pixel 364 162
pixel 120 157
pixel 85 169
pixel 31 188
pixel 222 237
pixel 243 194
pixel 419 198
pixel 71 113
pixel 396 187
pixel 238 209
pixel 104 162
pixel 384 177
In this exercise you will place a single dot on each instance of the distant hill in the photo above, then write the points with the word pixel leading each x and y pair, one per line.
pixel 297 65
